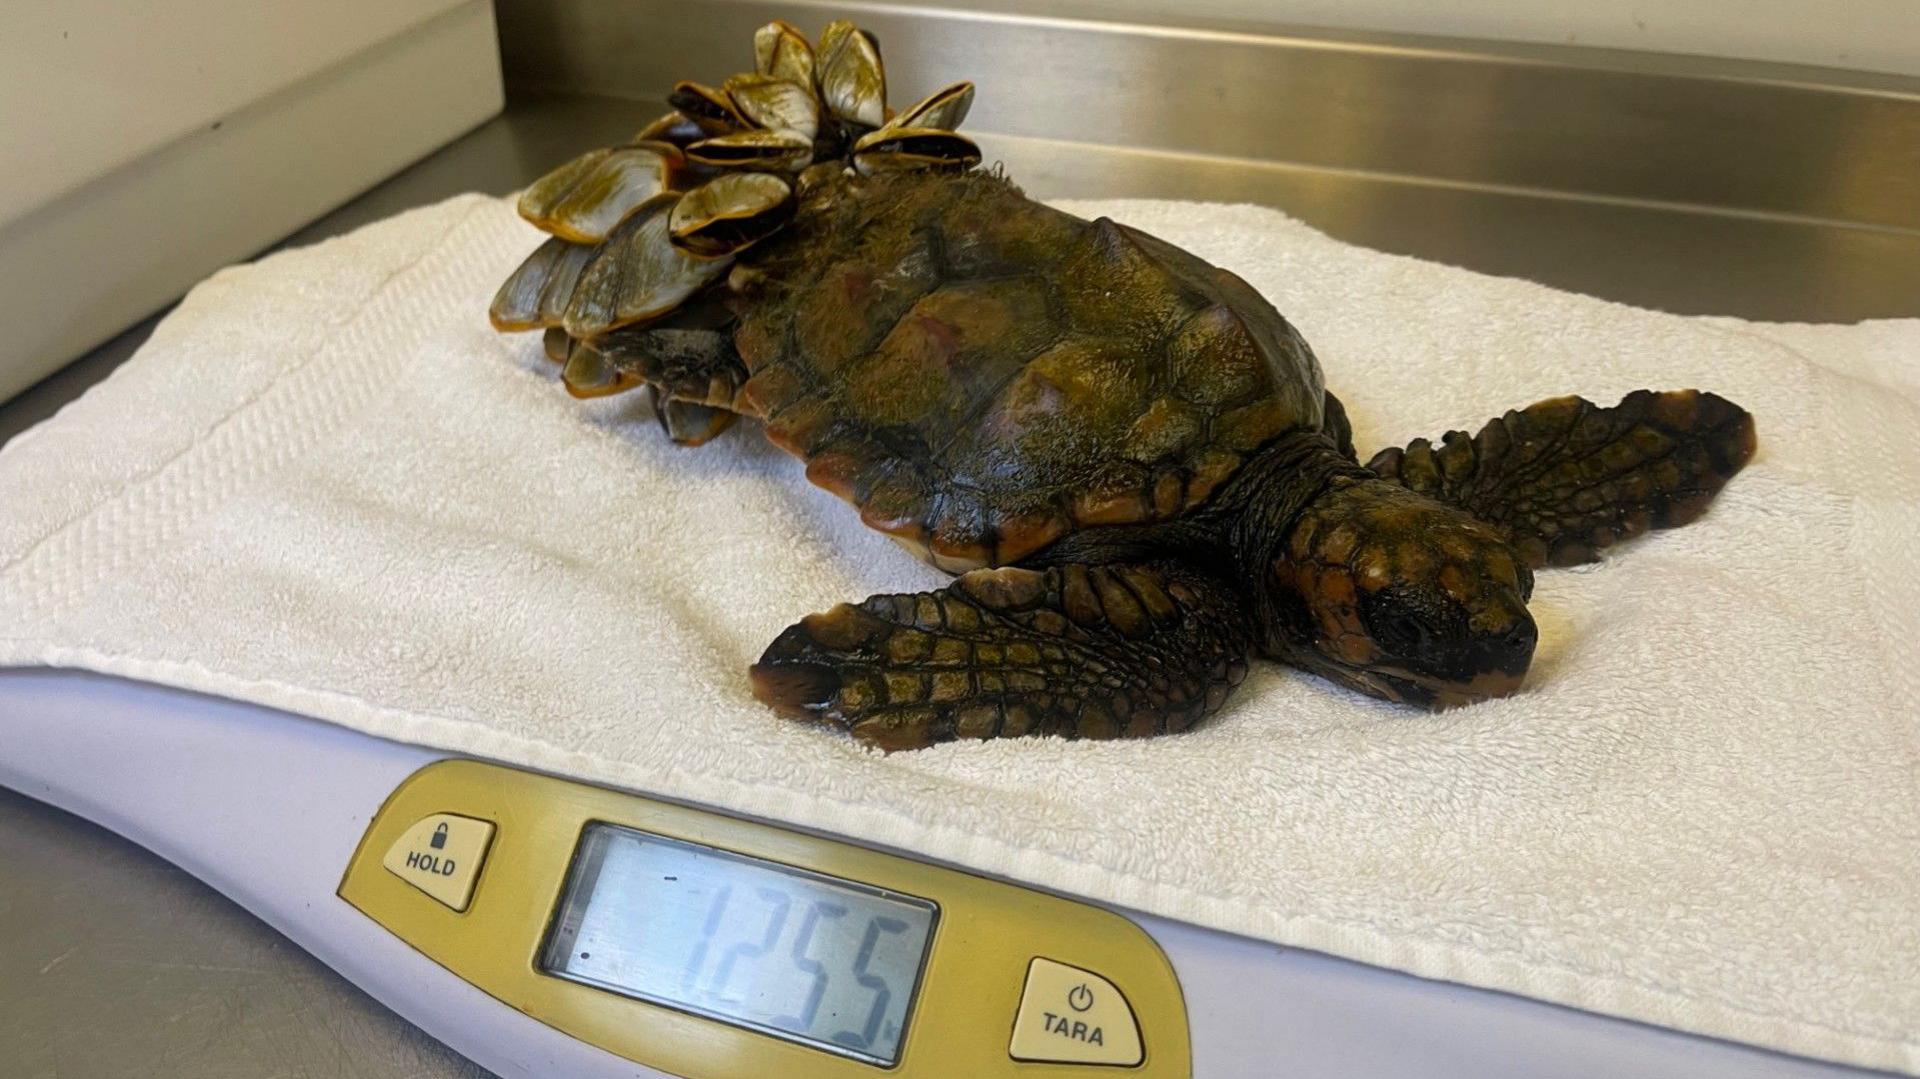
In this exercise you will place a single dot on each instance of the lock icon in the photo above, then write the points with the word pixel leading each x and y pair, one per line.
pixel 439 840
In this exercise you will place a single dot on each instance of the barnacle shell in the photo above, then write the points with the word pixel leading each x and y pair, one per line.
pixel 673 128
pixel 852 81
pixel 782 151
pixel 589 373
pixel 585 198
pixel 898 149
pixel 731 212
pixel 782 51
pixel 637 274
pixel 942 109
pixel 691 424
pixel 536 294
pixel 712 109
pixel 776 103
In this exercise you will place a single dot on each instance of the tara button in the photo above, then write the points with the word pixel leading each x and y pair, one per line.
pixel 1073 1016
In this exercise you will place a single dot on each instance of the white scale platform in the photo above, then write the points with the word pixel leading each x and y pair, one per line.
pixel 269 808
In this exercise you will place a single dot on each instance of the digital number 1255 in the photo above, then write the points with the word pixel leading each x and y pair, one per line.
pixel 755 959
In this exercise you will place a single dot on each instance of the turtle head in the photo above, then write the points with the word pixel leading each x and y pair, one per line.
pixel 1401 597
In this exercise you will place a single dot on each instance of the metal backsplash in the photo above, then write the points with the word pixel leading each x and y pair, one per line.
pixel 1752 137
pixel 1692 184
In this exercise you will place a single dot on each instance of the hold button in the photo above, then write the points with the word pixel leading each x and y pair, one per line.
pixel 1073 1016
pixel 441 855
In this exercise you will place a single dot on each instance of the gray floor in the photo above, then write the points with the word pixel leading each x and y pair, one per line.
pixel 117 964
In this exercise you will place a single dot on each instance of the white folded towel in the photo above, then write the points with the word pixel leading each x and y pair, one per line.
pixel 326 485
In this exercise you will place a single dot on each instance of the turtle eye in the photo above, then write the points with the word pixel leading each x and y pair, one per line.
pixel 1400 631
pixel 1404 622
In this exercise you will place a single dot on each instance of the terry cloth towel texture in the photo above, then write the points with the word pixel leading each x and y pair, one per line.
pixel 326 485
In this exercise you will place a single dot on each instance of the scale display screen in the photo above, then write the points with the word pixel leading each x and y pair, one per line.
pixel 826 962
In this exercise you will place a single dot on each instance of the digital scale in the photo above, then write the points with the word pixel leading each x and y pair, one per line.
pixel 681 938
pixel 545 927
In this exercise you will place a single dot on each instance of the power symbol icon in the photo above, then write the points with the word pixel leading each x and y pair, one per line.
pixel 1080 998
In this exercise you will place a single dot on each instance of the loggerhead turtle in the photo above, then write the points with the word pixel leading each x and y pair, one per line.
pixel 1125 453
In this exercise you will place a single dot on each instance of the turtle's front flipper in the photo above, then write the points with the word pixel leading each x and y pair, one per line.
pixel 1079 651
pixel 1567 478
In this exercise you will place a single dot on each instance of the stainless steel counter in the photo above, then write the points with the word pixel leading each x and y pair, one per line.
pixel 112 963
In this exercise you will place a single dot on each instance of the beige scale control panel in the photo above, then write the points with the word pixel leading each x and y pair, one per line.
pixel 707 946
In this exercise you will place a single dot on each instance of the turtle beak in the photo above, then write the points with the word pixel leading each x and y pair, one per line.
pixel 1491 663
pixel 1435 694
pixel 1508 649
pixel 1403 686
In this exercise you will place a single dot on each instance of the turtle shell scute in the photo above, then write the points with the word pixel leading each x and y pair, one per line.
pixel 982 374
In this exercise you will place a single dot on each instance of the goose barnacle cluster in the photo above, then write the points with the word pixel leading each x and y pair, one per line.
pixel 637 231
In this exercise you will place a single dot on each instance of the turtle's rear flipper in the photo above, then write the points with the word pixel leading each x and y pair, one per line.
pixel 1568 478
pixel 1078 651
pixel 688 355
pixel 687 359
pixel 589 371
